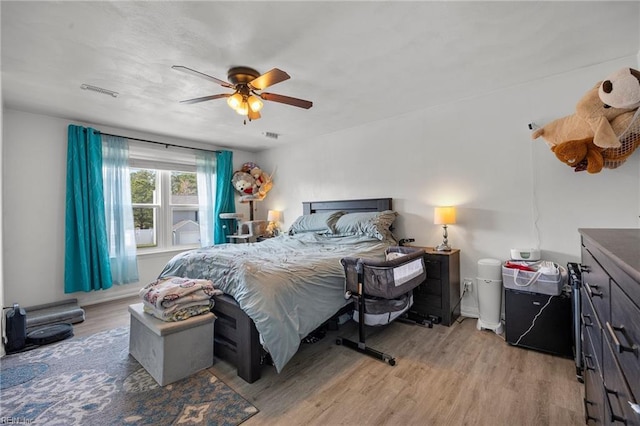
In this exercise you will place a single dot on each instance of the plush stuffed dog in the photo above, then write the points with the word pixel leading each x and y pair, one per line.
pixel 581 154
pixel 591 120
pixel 621 89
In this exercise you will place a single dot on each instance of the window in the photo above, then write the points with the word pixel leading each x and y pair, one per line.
pixel 185 227
pixel 165 208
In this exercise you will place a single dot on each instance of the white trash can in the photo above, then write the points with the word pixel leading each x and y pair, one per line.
pixel 489 285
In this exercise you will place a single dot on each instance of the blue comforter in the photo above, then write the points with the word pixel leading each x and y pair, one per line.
pixel 288 285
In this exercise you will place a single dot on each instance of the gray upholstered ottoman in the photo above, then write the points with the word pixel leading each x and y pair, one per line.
pixel 171 351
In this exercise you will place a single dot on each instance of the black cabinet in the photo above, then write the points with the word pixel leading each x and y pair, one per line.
pixel 539 321
pixel 610 318
pixel 439 295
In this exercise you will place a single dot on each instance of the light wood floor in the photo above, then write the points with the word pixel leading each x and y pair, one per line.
pixel 444 376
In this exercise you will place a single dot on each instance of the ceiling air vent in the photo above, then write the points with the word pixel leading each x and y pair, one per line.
pixel 271 135
pixel 99 90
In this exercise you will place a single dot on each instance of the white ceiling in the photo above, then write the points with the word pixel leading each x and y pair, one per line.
pixel 358 62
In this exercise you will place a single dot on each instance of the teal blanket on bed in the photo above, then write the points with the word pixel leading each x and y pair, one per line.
pixel 288 285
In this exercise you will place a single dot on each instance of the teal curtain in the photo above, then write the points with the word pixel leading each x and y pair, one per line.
pixel 206 174
pixel 224 202
pixel 118 210
pixel 86 256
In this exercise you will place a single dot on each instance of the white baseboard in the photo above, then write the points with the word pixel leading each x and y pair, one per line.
pixel 470 313
pixel 95 298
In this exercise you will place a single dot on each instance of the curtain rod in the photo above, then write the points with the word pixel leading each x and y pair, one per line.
pixel 157 143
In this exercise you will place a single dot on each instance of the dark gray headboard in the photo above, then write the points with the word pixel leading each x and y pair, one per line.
pixel 350 206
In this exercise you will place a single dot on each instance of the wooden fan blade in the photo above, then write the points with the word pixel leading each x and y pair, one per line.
pixel 206 98
pixel 269 79
pixel 301 103
pixel 199 74
pixel 253 115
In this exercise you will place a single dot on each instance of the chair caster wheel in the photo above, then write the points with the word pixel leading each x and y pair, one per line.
pixel 392 362
pixel 338 341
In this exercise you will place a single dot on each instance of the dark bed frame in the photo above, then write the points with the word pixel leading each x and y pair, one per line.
pixel 236 339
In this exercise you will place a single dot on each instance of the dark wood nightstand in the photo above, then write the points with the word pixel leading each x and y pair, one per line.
pixel 438 295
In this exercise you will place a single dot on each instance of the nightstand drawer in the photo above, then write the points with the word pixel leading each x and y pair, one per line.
pixel 433 268
pixel 431 287
pixel 422 299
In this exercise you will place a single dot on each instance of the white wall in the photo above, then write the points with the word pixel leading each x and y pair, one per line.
pixel 475 154
pixel 34 185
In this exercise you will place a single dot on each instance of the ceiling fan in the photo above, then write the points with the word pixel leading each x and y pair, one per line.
pixel 247 85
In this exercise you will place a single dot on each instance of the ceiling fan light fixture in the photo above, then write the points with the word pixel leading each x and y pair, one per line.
pixel 246 84
pixel 255 103
pixel 235 100
pixel 243 108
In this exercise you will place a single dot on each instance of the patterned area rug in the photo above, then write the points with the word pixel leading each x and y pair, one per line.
pixel 94 381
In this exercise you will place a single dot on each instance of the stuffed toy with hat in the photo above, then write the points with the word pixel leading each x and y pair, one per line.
pixel 621 89
pixel 592 119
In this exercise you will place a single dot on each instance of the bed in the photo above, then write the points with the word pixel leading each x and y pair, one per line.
pixel 279 290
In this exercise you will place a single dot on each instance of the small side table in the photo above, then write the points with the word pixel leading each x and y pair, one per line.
pixel 239 239
pixel 440 293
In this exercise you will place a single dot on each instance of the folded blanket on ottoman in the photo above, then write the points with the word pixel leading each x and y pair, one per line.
pixel 174 298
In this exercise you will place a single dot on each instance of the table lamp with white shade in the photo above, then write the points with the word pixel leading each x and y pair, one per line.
pixel 444 216
pixel 273 217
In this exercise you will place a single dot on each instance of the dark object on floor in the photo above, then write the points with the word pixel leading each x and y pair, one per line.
pixel 16 320
pixel 266 359
pixel 539 321
pixel 62 312
pixel 49 334
pixel 314 336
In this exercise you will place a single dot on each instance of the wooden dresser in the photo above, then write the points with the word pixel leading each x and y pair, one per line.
pixel 610 317
pixel 439 295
